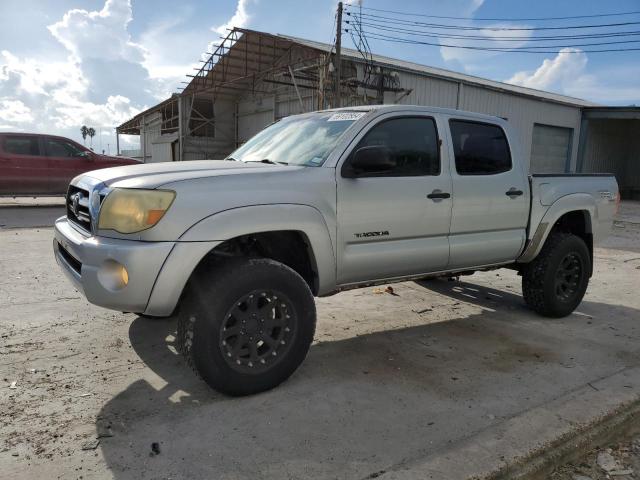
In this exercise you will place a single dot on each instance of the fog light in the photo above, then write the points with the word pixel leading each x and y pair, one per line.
pixel 113 275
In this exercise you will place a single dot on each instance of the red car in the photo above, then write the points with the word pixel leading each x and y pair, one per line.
pixel 36 164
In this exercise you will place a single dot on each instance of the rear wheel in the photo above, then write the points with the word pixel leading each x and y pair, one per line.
pixel 246 327
pixel 555 282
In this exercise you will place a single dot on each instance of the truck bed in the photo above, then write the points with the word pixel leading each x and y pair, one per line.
pixel 596 192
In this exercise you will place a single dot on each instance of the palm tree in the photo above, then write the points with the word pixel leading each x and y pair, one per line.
pixel 91 132
pixel 84 131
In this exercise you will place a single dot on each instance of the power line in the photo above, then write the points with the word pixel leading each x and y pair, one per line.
pixel 387 38
pixel 427 33
pixel 396 21
pixel 575 45
pixel 502 19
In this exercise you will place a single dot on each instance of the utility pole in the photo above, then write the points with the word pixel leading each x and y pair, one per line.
pixel 337 95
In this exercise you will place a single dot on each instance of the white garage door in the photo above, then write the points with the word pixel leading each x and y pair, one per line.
pixel 550 149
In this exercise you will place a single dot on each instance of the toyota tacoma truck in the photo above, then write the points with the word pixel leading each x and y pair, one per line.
pixel 319 203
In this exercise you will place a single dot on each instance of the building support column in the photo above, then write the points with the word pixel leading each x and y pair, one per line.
pixel 180 128
pixel 582 144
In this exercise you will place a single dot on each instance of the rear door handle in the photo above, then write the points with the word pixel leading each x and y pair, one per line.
pixel 512 192
pixel 438 195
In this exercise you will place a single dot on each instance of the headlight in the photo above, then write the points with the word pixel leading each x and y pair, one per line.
pixel 133 210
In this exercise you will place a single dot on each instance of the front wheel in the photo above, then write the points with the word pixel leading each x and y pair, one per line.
pixel 247 326
pixel 555 282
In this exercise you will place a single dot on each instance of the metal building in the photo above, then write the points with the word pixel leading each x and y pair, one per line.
pixel 255 78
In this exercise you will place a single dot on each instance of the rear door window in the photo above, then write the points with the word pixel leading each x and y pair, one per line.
pixel 20 145
pixel 479 148
pixel 60 148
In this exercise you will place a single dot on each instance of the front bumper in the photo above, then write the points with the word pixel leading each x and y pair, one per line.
pixel 82 257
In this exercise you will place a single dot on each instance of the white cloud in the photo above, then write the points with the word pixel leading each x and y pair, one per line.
pixel 560 71
pixel 99 34
pixel 73 112
pixel 239 19
pixel 172 48
pixel 93 72
pixel 567 73
pixel 14 111
pixel 40 78
pixel 93 85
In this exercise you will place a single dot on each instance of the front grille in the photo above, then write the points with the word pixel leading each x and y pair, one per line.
pixel 78 207
pixel 74 263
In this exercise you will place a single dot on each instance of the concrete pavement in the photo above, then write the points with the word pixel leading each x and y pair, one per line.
pixel 444 380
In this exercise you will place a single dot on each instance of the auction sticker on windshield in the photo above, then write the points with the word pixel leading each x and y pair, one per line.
pixel 341 117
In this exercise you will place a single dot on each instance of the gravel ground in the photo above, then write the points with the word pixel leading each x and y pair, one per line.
pixel 391 378
pixel 619 460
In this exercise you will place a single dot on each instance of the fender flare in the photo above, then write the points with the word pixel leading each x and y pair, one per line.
pixel 197 241
pixel 574 202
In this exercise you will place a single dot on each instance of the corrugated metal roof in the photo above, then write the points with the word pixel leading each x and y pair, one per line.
pixel 446 74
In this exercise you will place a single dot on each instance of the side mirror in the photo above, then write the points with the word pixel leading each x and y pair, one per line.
pixel 369 161
pixel 86 155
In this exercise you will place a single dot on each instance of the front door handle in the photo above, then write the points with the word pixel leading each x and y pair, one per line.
pixel 512 192
pixel 438 195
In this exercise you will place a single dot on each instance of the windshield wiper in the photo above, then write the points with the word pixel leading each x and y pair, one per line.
pixel 231 159
pixel 266 160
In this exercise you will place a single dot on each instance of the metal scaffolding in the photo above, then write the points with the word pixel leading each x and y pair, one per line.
pixel 205 115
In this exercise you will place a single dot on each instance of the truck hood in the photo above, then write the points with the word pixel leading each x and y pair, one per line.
pixel 154 175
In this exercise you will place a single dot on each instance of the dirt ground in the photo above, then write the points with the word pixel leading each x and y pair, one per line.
pixel 392 380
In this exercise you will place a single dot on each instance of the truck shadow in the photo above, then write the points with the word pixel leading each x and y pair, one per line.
pixel 360 405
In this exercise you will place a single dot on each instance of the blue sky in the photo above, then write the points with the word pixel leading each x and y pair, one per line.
pixel 66 63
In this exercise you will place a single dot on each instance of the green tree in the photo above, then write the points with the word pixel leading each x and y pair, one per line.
pixel 84 131
pixel 91 132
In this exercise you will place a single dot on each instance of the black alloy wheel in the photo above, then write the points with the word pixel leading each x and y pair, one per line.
pixel 257 331
pixel 568 277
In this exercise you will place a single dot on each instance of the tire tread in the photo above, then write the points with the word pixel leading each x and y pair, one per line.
pixel 533 275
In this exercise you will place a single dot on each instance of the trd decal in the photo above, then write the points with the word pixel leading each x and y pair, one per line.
pixel 384 233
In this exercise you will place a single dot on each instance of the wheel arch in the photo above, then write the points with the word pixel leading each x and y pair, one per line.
pixel 254 231
pixel 573 214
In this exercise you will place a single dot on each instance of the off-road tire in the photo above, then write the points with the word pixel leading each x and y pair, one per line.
pixel 539 286
pixel 205 306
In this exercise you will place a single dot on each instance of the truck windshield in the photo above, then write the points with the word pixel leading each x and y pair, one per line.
pixel 301 140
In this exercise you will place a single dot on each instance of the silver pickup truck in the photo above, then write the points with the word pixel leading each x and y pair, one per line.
pixel 315 204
